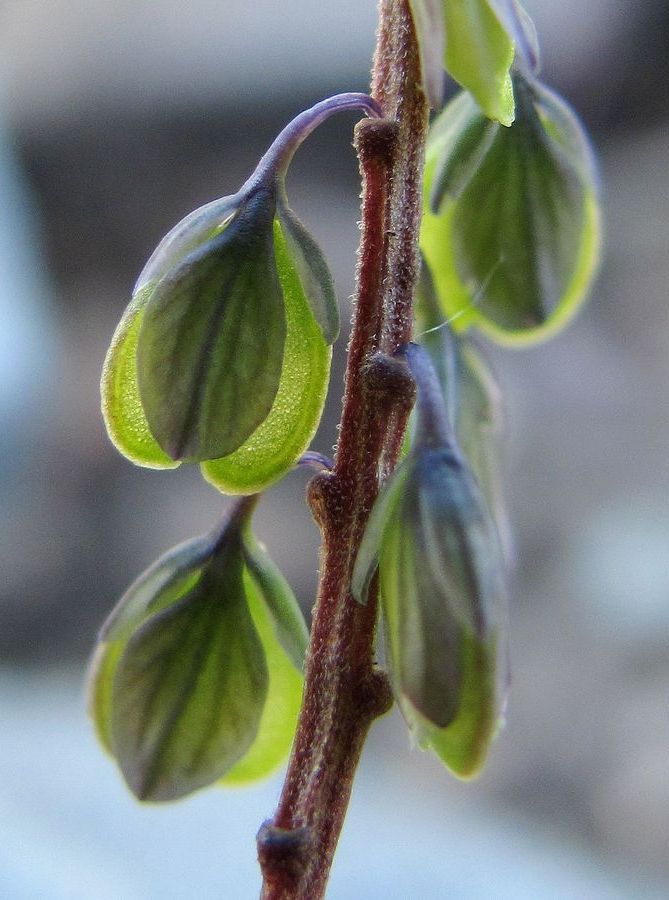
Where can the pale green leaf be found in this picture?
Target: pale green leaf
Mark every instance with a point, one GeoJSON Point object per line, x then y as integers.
{"type": "Point", "coordinates": [463, 745]}
{"type": "Point", "coordinates": [121, 405]}
{"type": "Point", "coordinates": [520, 28]}
{"type": "Point", "coordinates": [479, 53]}
{"type": "Point", "coordinates": [516, 250]}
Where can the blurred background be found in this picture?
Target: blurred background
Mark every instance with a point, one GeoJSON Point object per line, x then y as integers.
{"type": "Point", "coordinates": [117, 118]}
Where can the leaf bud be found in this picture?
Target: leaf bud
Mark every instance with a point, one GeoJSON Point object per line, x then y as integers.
{"type": "Point", "coordinates": [223, 355]}
{"type": "Point", "coordinates": [441, 587]}
{"type": "Point", "coordinates": [197, 676]}
{"type": "Point", "coordinates": [512, 232]}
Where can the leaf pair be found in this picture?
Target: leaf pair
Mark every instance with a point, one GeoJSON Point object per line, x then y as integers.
{"type": "Point", "coordinates": [197, 674]}
{"type": "Point", "coordinates": [440, 581]}
{"type": "Point", "coordinates": [511, 231]}
{"type": "Point", "coordinates": [223, 355]}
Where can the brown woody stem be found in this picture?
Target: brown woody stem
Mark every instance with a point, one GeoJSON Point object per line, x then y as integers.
{"type": "Point", "coordinates": [344, 692]}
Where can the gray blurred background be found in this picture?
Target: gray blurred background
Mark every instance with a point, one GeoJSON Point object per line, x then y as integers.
{"type": "Point", "coordinates": [117, 118]}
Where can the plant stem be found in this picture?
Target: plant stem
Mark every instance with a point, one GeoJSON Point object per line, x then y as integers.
{"type": "Point", "coordinates": [344, 691]}
{"type": "Point", "coordinates": [277, 159]}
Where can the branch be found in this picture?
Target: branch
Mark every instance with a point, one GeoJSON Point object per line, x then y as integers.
{"type": "Point", "coordinates": [344, 692]}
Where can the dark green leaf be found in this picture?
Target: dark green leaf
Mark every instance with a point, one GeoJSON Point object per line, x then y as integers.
{"type": "Point", "coordinates": [210, 347]}
{"type": "Point", "coordinates": [473, 400]}
{"type": "Point", "coordinates": [286, 432]}
{"type": "Point", "coordinates": [198, 674]}
{"type": "Point", "coordinates": [464, 744]}
{"type": "Point", "coordinates": [439, 580]}
{"type": "Point", "coordinates": [191, 232]}
{"type": "Point", "coordinates": [165, 581]}
{"type": "Point", "coordinates": [440, 584]}
{"type": "Point", "coordinates": [461, 155]}
{"type": "Point", "coordinates": [172, 576]}
{"type": "Point", "coordinates": [189, 689]}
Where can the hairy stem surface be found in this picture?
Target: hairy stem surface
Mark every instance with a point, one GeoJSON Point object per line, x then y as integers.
{"type": "Point", "coordinates": [344, 692]}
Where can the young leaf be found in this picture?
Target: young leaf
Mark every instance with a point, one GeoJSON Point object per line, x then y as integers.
{"type": "Point", "coordinates": [189, 691]}
{"type": "Point", "coordinates": [473, 400]}
{"type": "Point", "coordinates": [282, 608]}
{"type": "Point", "coordinates": [198, 673]}
{"type": "Point", "coordinates": [284, 695]}
{"type": "Point", "coordinates": [463, 745]}
{"type": "Point", "coordinates": [187, 235]}
{"type": "Point", "coordinates": [479, 53]}
{"type": "Point", "coordinates": [163, 583]}
{"type": "Point", "coordinates": [121, 404]}
{"type": "Point", "coordinates": [439, 581]}
{"type": "Point", "coordinates": [210, 347]}
{"type": "Point", "coordinates": [513, 250]}
{"type": "Point", "coordinates": [520, 27]}
{"type": "Point", "coordinates": [440, 587]}
{"type": "Point", "coordinates": [301, 249]}
{"type": "Point", "coordinates": [279, 441]}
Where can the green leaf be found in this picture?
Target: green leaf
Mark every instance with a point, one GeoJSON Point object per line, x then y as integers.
{"type": "Point", "coordinates": [421, 636]}
{"type": "Point", "coordinates": [520, 28]}
{"type": "Point", "coordinates": [479, 53]}
{"type": "Point", "coordinates": [440, 581]}
{"type": "Point", "coordinates": [168, 579]}
{"type": "Point", "coordinates": [383, 511]}
{"type": "Point", "coordinates": [197, 676]}
{"type": "Point", "coordinates": [121, 405]}
{"type": "Point", "coordinates": [299, 248]}
{"type": "Point", "coordinates": [464, 744]}
{"type": "Point", "coordinates": [284, 696]}
{"type": "Point", "coordinates": [191, 232]}
{"type": "Point", "coordinates": [479, 428]}
{"type": "Point", "coordinates": [100, 680]}
{"type": "Point", "coordinates": [211, 343]}
{"type": "Point", "coordinates": [282, 608]}
{"type": "Point", "coordinates": [189, 691]}
{"type": "Point", "coordinates": [515, 251]}
{"type": "Point", "coordinates": [284, 435]}
{"type": "Point", "coordinates": [439, 576]}
{"type": "Point", "coordinates": [459, 162]}
{"type": "Point", "coordinates": [473, 400]}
